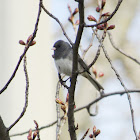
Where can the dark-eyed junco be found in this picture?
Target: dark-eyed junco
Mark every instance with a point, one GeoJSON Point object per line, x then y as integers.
{"type": "Point", "coordinates": [63, 55]}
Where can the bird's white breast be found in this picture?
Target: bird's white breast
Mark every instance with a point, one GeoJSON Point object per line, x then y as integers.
{"type": "Point", "coordinates": [64, 66]}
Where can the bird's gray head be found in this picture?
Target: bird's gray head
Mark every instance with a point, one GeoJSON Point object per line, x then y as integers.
{"type": "Point", "coordinates": [60, 47]}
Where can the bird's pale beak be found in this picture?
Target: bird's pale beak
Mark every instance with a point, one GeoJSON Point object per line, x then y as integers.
{"type": "Point", "coordinates": [53, 48]}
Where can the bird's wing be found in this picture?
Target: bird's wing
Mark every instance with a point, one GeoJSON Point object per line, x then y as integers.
{"type": "Point", "coordinates": [83, 64]}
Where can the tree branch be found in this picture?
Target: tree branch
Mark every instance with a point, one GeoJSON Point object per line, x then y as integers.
{"type": "Point", "coordinates": [113, 13]}
{"type": "Point", "coordinates": [4, 134]}
{"type": "Point", "coordinates": [21, 57]}
{"type": "Point", "coordinates": [81, 108]}
{"type": "Point", "coordinates": [119, 50]}
{"type": "Point", "coordinates": [74, 72]}
{"type": "Point", "coordinates": [57, 20]}
{"type": "Point", "coordinates": [123, 85]}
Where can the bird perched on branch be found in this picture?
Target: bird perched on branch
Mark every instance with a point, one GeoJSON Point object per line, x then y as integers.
{"type": "Point", "coordinates": [63, 57]}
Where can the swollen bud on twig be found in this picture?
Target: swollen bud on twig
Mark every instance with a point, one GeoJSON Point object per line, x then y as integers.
{"type": "Point", "coordinates": [101, 74]}
{"type": "Point", "coordinates": [63, 107]}
{"type": "Point", "coordinates": [77, 22]}
{"type": "Point", "coordinates": [29, 137]}
{"type": "Point", "coordinates": [91, 18]}
{"type": "Point", "coordinates": [98, 9]}
{"type": "Point", "coordinates": [29, 38]}
{"type": "Point", "coordinates": [103, 3]}
{"type": "Point", "coordinates": [33, 43]}
{"type": "Point", "coordinates": [111, 27]}
{"type": "Point", "coordinates": [91, 136]}
{"type": "Point", "coordinates": [69, 8]}
{"type": "Point", "coordinates": [67, 98]}
{"type": "Point", "coordinates": [75, 11]}
{"type": "Point", "coordinates": [58, 101]}
{"type": "Point", "coordinates": [101, 27]}
{"type": "Point", "coordinates": [106, 14]}
{"type": "Point", "coordinates": [97, 133]}
{"type": "Point", "coordinates": [21, 42]}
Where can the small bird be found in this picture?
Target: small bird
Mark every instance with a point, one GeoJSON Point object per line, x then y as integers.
{"type": "Point", "coordinates": [63, 56]}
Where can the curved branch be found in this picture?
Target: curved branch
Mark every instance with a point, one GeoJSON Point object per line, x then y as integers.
{"type": "Point", "coordinates": [57, 20]}
{"type": "Point", "coordinates": [114, 46]}
{"type": "Point", "coordinates": [81, 108]}
{"type": "Point", "coordinates": [21, 57]}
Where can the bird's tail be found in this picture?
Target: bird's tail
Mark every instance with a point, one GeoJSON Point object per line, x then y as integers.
{"type": "Point", "coordinates": [93, 81]}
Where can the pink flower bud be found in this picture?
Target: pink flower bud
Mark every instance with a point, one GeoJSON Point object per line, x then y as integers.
{"type": "Point", "coordinates": [33, 43]}
{"type": "Point", "coordinates": [111, 27]}
{"type": "Point", "coordinates": [91, 136]}
{"type": "Point", "coordinates": [97, 133]}
{"type": "Point", "coordinates": [98, 9]}
{"type": "Point", "coordinates": [75, 11]}
{"type": "Point", "coordinates": [77, 22]}
{"type": "Point", "coordinates": [29, 38]}
{"type": "Point", "coordinates": [91, 18]}
{"type": "Point", "coordinates": [58, 101]}
{"type": "Point", "coordinates": [21, 42]}
{"type": "Point", "coordinates": [101, 74]}
{"type": "Point", "coordinates": [103, 3]}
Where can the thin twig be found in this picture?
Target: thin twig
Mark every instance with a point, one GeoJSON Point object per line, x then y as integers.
{"type": "Point", "coordinates": [26, 94]}
{"type": "Point", "coordinates": [121, 81]}
{"type": "Point", "coordinates": [81, 108]}
{"type": "Point", "coordinates": [58, 113]}
{"type": "Point", "coordinates": [113, 13]}
{"type": "Point", "coordinates": [21, 57]}
{"type": "Point", "coordinates": [57, 20]}
{"type": "Point", "coordinates": [119, 50]}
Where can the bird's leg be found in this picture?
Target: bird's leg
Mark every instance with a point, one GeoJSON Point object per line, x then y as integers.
{"type": "Point", "coordinates": [62, 82]}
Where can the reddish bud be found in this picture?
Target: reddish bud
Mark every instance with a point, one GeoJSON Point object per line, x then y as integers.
{"type": "Point", "coordinates": [63, 107]}
{"type": "Point", "coordinates": [29, 38]}
{"type": "Point", "coordinates": [101, 27]}
{"type": "Point", "coordinates": [77, 22]}
{"type": "Point", "coordinates": [97, 133]}
{"type": "Point", "coordinates": [94, 129]}
{"type": "Point", "coordinates": [95, 72]}
{"type": "Point", "coordinates": [91, 136]}
{"type": "Point", "coordinates": [103, 3]}
{"type": "Point", "coordinates": [101, 74]}
{"type": "Point", "coordinates": [30, 135]}
{"type": "Point", "coordinates": [98, 9]}
{"type": "Point", "coordinates": [71, 19]}
{"type": "Point", "coordinates": [106, 14]}
{"type": "Point", "coordinates": [58, 101]}
{"type": "Point", "coordinates": [69, 8]}
{"type": "Point", "coordinates": [111, 27]}
{"type": "Point", "coordinates": [33, 43]}
{"type": "Point", "coordinates": [91, 18]}
{"type": "Point", "coordinates": [75, 11]}
{"type": "Point", "coordinates": [21, 42]}
{"type": "Point", "coordinates": [67, 98]}
{"type": "Point", "coordinates": [34, 135]}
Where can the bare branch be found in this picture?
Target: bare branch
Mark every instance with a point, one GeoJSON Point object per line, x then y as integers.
{"type": "Point", "coordinates": [121, 81]}
{"type": "Point", "coordinates": [57, 20]}
{"type": "Point", "coordinates": [21, 57]}
{"type": "Point", "coordinates": [26, 94]}
{"type": "Point", "coordinates": [113, 13]}
{"type": "Point", "coordinates": [83, 107]}
{"type": "Point", "coordinates": [119, 50]}
{"type": "Point", "coordinates": [58, 113]}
